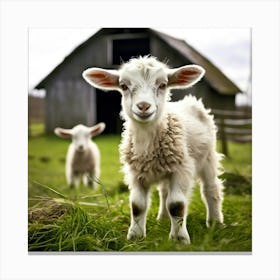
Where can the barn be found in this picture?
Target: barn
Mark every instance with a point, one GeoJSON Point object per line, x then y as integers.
{"type": "Point", "coordinates": [70, 100]}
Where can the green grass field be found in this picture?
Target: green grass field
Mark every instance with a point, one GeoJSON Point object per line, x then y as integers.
{"type": "Point", "coordinates": [64, 219]}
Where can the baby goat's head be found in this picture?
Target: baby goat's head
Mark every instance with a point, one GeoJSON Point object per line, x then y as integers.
{"type": "Point", "coordinates": [80, 135]}
{"type": "Point", "coordinates": [144, 83]}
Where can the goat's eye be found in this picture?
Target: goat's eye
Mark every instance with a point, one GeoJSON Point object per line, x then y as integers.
{"type": "Point", "coordinates": [162, 86]}
{"type": "Point", "coordinates": [124, 87]}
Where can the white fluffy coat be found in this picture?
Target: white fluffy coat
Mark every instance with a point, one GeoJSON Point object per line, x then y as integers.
{"type": "Point", "coordinates": [83, 155]}
{"type": "Point", "coordinates": [167, 143]}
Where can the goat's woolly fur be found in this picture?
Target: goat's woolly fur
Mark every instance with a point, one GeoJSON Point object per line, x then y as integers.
{"type": "Point", "coordinates": [170, 145]}
{"type": "Point", "coordinates": [180, 140]}
{"type": "Point", "coordinates": [83, 155]}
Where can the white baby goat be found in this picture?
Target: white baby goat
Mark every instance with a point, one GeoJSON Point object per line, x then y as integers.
{"type": "Point", "coordinates": [163, 142]}
{"type": "Point", "coordinates": [83, 156]}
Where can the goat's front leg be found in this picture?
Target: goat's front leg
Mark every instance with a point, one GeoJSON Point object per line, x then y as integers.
{"type": "Point", "coordinates": [72, 178]}
{"type": "Point", "coordinates": [138, 211]}
{"type": "Point", "coordinates": [91, 179]}
{"type": "Point", "coordinates": [96, 176]}
{"type": "Point", "coordinates": [177, 205]}
{"type": "Point", "coordinates": [212, 191]}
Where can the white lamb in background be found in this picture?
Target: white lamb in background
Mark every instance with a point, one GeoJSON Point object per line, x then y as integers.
{"type": "Point", "coordinates": [163, 142]}
{"type": "Point", "coordinates": [83, 156]}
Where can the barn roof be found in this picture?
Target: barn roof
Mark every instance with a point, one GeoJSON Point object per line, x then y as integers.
{"type": "Point", "coordinates": [215, 77]}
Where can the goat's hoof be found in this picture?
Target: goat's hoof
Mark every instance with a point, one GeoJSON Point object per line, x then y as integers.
{"type": "Point", "coordinates": [92, 186]}
{"type": "Point", "coordinates": [215, 223]}
{"type": "Point", "coordinates": [134, 234]}
{"type": "Point", "coordinates": [184, 239]}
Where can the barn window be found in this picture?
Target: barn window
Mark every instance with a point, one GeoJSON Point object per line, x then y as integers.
{"type": "Point", "coordinates": [124, 49]}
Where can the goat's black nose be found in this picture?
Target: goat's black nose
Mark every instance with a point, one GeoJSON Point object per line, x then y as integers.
{"type": "Point", "coordinates": [143, 106]}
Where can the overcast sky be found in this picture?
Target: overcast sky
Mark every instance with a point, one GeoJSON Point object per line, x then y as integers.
{"type": "Point", "coordinates": [229, 49]}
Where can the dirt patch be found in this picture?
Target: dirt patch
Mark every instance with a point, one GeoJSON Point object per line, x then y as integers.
{"type": "Point", "coordinates": [46, 211]}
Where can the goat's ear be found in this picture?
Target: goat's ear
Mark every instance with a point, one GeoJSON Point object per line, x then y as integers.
{"type": "Point", "coordinates": [97, 129]}
{"type": "Point", "coordinates": [185, 76]}
{"type": "Point", "coordinates": [102, 79]}
{"type": "Point", "coordinates": [64, 133]}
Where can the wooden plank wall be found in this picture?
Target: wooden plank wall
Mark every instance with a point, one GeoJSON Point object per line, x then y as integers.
{"type": "Point", "coordinates": [233, 126]}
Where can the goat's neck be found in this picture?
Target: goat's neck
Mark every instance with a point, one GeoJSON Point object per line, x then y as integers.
{"type": "Point", "coordinates": [143, 136]}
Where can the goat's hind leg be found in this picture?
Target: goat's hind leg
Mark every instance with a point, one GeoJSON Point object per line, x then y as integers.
{"type": "Point", "coordinates": [163, 192]}
{"type": "Point", "coordinates": [212, 189]}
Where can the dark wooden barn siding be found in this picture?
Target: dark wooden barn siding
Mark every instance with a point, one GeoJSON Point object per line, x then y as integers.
{"type": "Point", "coordinates": [212, 99]}
{"type": "Point", "coordinates": [69, 102]}
{"type": "Point", "coordinates": [69, 99]}
{"type": "Point", "coordinates": [36, 109]}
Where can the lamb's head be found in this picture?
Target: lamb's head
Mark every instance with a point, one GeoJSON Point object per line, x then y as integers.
{"type": "Point", "coordinates": [144, 83]}
{"type": "Point", "coordinates": [80, 135]}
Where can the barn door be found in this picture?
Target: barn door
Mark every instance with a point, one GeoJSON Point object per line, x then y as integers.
{"type": "Point", "coordinates": [124, 49]}
{"type": "Point", "coordinates": [108, 106]}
